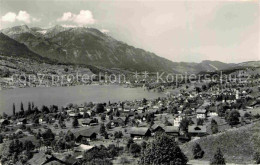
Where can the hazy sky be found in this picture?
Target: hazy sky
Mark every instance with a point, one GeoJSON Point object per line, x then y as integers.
{"type": "Point", "coordinates": [189, 31]}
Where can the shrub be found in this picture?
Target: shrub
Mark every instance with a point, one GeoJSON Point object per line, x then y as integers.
{"type": "Point", "coordinates": [233, 117]}
{"type": "Point", "coordinates": [118, 134]}
{"type": "Point", "coordinates": [214, 126]}
{"type": "Point", "coordinates": [218, 158]}
{"type": "Point", "coordinates": [197, 151]}
{"type": "Point", "coordinates": [129, 142]}
{"type": "Point", "coordinates": [135, 149]}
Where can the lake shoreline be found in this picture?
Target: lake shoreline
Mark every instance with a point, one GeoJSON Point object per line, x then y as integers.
{"type": "Point", "coordinates": [73, 94]}
{"type": "Point", "coordinates": [14, 87]}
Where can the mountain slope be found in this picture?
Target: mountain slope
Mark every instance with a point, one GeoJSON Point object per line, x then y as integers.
{"type": "Point", "coordinates": [238, 145]}
{"type": "Point", "coordinates": [10, 47]}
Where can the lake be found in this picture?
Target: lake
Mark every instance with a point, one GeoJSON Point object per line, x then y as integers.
{"type": "Point", "coordinates": [61, 96]}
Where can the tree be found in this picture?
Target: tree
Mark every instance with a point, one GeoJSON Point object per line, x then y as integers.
{"type": "Point", "coordinates": [129, 142]}
{"type": "Point", "coordinates": [102, 130]}
{"type": "Point", "coordinates": [48, 136]}
{"type": "Point", "coordinates": [32, 105]}
{"type": "Point", "coordinates": [113, 150]}
{"type": "Point", "coordinates": [38, 135]}
{"type": "Point", "coordinates": [86, 115]}
{"type": "Point", "coordinates": [1, 138]}
{"type": "Point", "coordinates": [45, 109]}
{"type": "Point", "coordinates": [69, 136]}
{"type": "Point", "coordinates": [66, 69]}
{"type": "Point", "coordinates": [70, 105]}
{"type": "Point", "coordinates": [149, 118]}
{"type": "Point", "coordinates": [75, 123]}
{"type": "Point", "coordinates": [15, 147]}
{"type": "Point", "coordinates": [135, 149]}
{"type": "Point", "coordinates": [143, 145]}
{"type": "Point", "coordinates": [103, 117]}
{"type": "Point", "coordinates": [60, 144]}
{"type": "Point", "coordinates": [257, 157]}
{"type": "Point", "coordinates": [25, 156]}
{"type": "Point", "coordinates": [151, 123]}
{"type": "Point", "coordinates": [218, 158]}
{"type": "Point", "coordinates": [197, 151]}
{"type": "Point", "coordinates": [204, 87]}
{"type": "Point", "coordinates": [117, 113]}
{"type": "Point", "coordinates": [198, 89]}
{"type": "Point", "coordinates": [163, 150]}
{"type": "Point", "coordinates": [111, 117]}
{"type": "Point", "coordinates": [233, 117]}
{"type": "Point", "coordinates": [108, 126]}
{"type": "Point", "coordinates": [118, 134]}
{"type": "Point", "coordinates": [144, 101]}
{"type": "Point", "coordinates": [106, 136]}
{"type": "Point", "coordinates": [214, 126]}
{"type": "Point", "coordinates": [61, 120]}
{"type": "Point", "coordinates": [29, 107]}
{"type": "Point", "coordinates": [184, 124]}
{"type": "Point", "coordinates": [36, 120]}
{"type": "Point", "coordinates": [13, 109]}
{"type": "Point", "coordinates": [22, 109]}
{"type": "Point", "coordinates": [100, 108]}
{"type": "Point", "coordinates": [28, 145]}
{"type": "Point", "coordinates": [221, 112]}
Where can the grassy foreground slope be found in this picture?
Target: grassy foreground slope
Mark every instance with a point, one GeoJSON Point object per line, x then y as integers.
{"type": "Point", "coordinates": [238, 145]}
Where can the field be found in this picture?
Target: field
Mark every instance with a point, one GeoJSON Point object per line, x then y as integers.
{"type": "Point", "coordinates": [238, 145]}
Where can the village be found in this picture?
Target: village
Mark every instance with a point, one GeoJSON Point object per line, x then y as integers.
{"type": "Point", "coordinates": [118, 132]}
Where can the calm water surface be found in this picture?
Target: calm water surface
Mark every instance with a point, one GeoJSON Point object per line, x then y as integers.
{"type": "Point", "coordinates": [75, 94]}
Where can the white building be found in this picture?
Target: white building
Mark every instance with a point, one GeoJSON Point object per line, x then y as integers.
{"type": "Point", "coordinates": [201, 113]}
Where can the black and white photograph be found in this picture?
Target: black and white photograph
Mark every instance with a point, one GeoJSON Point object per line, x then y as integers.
{"type": "Point", "coordinates": [129, 82]}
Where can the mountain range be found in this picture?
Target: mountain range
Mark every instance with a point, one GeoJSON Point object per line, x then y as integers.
{"type": "Point", "coordinates": [89, 46]}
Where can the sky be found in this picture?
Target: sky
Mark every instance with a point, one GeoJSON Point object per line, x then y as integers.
{"type": "Point", "coordinates": [188, 31]}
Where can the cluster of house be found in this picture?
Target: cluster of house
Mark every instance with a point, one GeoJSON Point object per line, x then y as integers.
{"type": "Point", "coordinates": [185, 104]}
{"type": "Point", "coordinates": [140, 112]}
